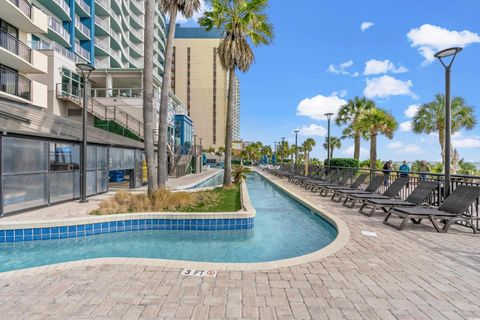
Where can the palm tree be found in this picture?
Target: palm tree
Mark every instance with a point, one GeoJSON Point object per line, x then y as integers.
{"type": "Point", "coordinates": [349, 114]}
{"type": "Point", "coordinates": [372, 123]}
{"type": "Point", "coordinates": [335, 143]}
{"type": "Point", "coordinates": [242, 21]}
{"type": "Point", "coordinates": [431, 118]}
{"type": "Point", "coordinates": [187, 8]}
{"type": "Point", "coordinates": [148, 115]}
{"type": "Point", "coordinates": [307, 148]}
{"type": "Point", "coordinates": [266, 151]}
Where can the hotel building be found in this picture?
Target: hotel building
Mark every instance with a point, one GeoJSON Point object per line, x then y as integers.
{"type": "Point", "coordinates": [199, 80]}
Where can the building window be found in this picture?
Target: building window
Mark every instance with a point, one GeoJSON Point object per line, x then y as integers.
{"type": "Point", "coordinates": [13, 83]}
{"type": "Point", "coordinates": [72, 83]}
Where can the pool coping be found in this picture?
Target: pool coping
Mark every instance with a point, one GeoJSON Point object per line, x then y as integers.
{"type": "Point", "coordinates": [186, 187]}
{"type": "Point", "coordinates": [343, 236]}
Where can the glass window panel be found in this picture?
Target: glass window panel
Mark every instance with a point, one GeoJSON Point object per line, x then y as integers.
{"type": "Point", "coordinates": [64, 157]}
{"type": "Point", "coordinates": [102, 158]}
{"type": "Point", "coordinates": [102, 181]}
{"type": "Point", "coordinates": [25, 191]}
{"type": "Point", "coordinates": [91, 183]}
{"type": "Point", "coordinates": [61, 186]}
{"type": "Point", "coordinates": [91, 157]}
{"type": "Point", "coordinates": [129, 158]}
{"type": "Point", "coordinates": [116, 158]}
{"type": "Point", "coordinates": [24, 155]}
{"type": "Point", "coordinates": [77, 184]}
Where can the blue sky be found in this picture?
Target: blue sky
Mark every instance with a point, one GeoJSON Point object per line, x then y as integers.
{"type": "Point", "coordinates": [325, 57]}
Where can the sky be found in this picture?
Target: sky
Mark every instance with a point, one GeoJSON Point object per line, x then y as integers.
{"type": "Point", "coordinates": [326, 52]}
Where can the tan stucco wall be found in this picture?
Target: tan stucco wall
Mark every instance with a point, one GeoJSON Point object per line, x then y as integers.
{"type": "Point", "coordinates": [201, 84]}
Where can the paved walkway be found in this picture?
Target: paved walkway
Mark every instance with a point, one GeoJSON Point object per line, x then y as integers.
{"type": "Point", "coordinates": [414, 274]}
{"type": "Point", "coordinates": [74, 209]}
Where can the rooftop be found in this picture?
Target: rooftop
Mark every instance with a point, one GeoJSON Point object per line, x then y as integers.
{"type": "Point", "coordinates": [196, 33]}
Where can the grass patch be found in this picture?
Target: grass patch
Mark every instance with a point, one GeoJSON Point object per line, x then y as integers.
{"type": "Point", "coordinates": [217, 200]}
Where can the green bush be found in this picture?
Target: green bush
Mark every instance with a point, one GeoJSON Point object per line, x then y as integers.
{"type": "Point", "coordinates": [343, 162]}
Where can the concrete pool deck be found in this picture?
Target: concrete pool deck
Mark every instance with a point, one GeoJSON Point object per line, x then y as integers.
{"type": "Point", "coordinates": [414, 274]}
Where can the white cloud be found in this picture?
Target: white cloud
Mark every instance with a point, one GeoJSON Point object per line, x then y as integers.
{"type": "Point", "coordinates": [181, 19]}
{"type": "Point", "coordinates": [411, 111]}
{"type": "Point", "coordinates": [373, 66]}
{"type": "Point", "coordinates": [386, 86]}
{"type": "Point", "coordinates": [429, 39]}
{"type": "Point", "coordinates": [342, 93]}
{"type": "Point", "coordinates": [341, 68]}
{"type": "Point", "coordinates": [348, 151]}
{"type": "Point", "coordinates": [406, 126]}
{"type": "Point", "coordinates": [317, 106]}
{"type": "Point", "coordinates": [355, 74]}
{"type": "Point", "coordinates": [466, 143]}
{"type": "Point", "coordinates": [313, 130]}
{"type": "Point", "coordinates": [400, 148]}
{"type": "Point", "coordinates": [366, 25]}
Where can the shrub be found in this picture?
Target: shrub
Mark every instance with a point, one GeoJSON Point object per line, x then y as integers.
{"type": "Point", "coordinates": [343, 162]}
{"type": "Point", "coordinates": [240, 172]}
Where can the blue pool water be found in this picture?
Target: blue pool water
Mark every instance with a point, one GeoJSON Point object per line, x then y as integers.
{"type": "Point", "coordinates": [214, 181]}
{"type": "Point", "coordinates": [283, 229]}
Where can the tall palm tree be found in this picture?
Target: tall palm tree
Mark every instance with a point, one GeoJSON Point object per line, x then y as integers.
{"type": "Point", "coordinates": [266, 151]}
{"type": "Point", "coordinates": [335, 143]}
{"type": "Point", "coordinates": [171, 7]}
{"type": "Point", "coordinates": [243, 21]}
{"type": "Point", "coordinates": [372, 123]}
{"type": "Point", "coordinates": [349, 114]}
{"type": "Point", "coordinates": [148, 114]}
{"type": "Point", "coordinates": [307, 146]}
{"type": "Point", "coordinates": [431, 118]}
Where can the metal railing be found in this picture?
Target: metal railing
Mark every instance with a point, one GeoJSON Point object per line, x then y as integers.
{"type": "Point", "coordinates": [80, 26]}
{"type": "Point", "coordinates": [84, 5]}
{"type": "Point", "coordinates": [116, 92]}
{"type": "Point", "coordinates": [435, 199]}
{"type": "Point", "coordinates": [15, 46]}
{"type": "Point", "coordinates": [13, 83]}
{"type": "Point", "coordinates": [54, 46]}
{"type": "Point", "coordinates": [106, 113]}
{"type": "Point", "coordinates": [64, 5]}
{"type": "Point", "coordinates": [24, 6]}
{"type": "Point", "coordinates": [58, 28]}
{"type": "Point", "coordinates": [83, 53]}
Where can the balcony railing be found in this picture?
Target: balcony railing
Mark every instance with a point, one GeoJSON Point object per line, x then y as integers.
{"type": "Point", "coordinates": [13, 83]}
{"type": "Point", "coordinates": [84, 5]}
{"type": "Point", "coordinates": [64, 5]}
{"type": "Point", "coordinates": [24, 6]}
{"type": "Point", "coordinates": [12, 44]}
{"type": "Point", "coordinates": [102, 43]}
{"type": "Point", "coordinates": [83, 53]}
{"type": "Point", "coordinates": [58, 28]}
{"type": "Point", "coordinates": [116, 93]}
{"type": "Point", "coordinates": [53, 46]}
{"type": "Point", "coordinates": [80, 26]}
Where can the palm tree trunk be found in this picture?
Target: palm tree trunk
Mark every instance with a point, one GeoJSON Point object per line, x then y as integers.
{"type": "Point", "coordinates": [163, 121]}
{"type": "Point", "coordinates": [441, 139]}
{"type": "Point", "coordinates": [148, 114]}
{"type": "Point", "coordinates": [227, 176]}
{"type": "Point", "coordinates": [373, 151]}
{"type": "Point", "coordinates": [306, 164]}
{"type": "Point", "coordinates": [356, 151]}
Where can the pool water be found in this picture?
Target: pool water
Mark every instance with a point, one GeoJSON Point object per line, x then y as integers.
{"type": "Point", "coordinates": [283, 229]}
{"type": "Point", "coordinates": [213, 181]}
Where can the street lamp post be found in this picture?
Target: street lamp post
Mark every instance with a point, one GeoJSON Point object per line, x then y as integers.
{"type": "Point", "coordinates": [442, 56]}
{"type": "Point", "coordinates": [283, 149]}
{"type": "Point", "coordinates": [85, 69]}
{"type": "Point", "coordinates": [296, 148]}
{"type": "Point", "coordinates": [329, 116]}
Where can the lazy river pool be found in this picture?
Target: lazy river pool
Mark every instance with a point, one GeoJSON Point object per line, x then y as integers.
{"type": "Point", "coordinates": [283, 228]}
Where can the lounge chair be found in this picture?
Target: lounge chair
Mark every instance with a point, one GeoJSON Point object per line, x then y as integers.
{"type": "Point", "coordinates": [418, 196]}
{"type": "Point", "coordinates": [353, 186]}
{"type": "Point", "coordinates": [343, 182]}
{"type": "Point", "coordinates": [308, 183]}
{"type": "Point", "coordinates": [391, 192]}
{"type": "Point", "coordinates": [335, 178]}
{"type": "Point", "coordinates": [452, 210]}
{"type": "Point", "coordinates": [296, 179]}
{"type": "Point", "coordinates": [375, 183]}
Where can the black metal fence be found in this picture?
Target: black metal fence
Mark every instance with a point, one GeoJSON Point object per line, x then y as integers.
{"type": "Point", "coordinates": [435, 199]}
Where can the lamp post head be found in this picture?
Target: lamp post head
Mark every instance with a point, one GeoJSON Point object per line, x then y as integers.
{"type": "Point", "coordinates": [85, 69]}
{"type": "Point", "coordinates": [450, 52]}
{"type": "Point", "coordinates": [296, 131]}
{"type": "Point", "coordinates": [329, 115]}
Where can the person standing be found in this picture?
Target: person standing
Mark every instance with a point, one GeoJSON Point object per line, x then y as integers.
{"type": "Point", "coordinates": [404, 170]}
{"type": "Point", "coordinates": [387, 169]}
{"type": "Point", "coordinates": [423, 169]}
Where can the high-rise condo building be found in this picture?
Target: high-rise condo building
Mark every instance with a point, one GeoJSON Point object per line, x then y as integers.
{"type": "Point", "coordinates": [199, 80]}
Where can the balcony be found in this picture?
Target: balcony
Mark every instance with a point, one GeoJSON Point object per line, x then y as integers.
{"type": "Point", "coordinates": [24, 16]}
{"type": "Point", "coordinates": [83, 53]}
{"type": "Point", "coordinates": [84, 31]}
{"type": "Point", "coordinates": [102, 46]}
{"type": "Point", "coordinates": [17, 55]}
{"type": "Point", "coordinates": [16, 87]}
{"type": "Point", "coordinates": [59, 8]}
{"type": "Point", "coordinates": [44, 45]}
{"type": "Point", "coordinates": [58, 33]}
{"type": "Point", "coordinates": [82, 8]}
